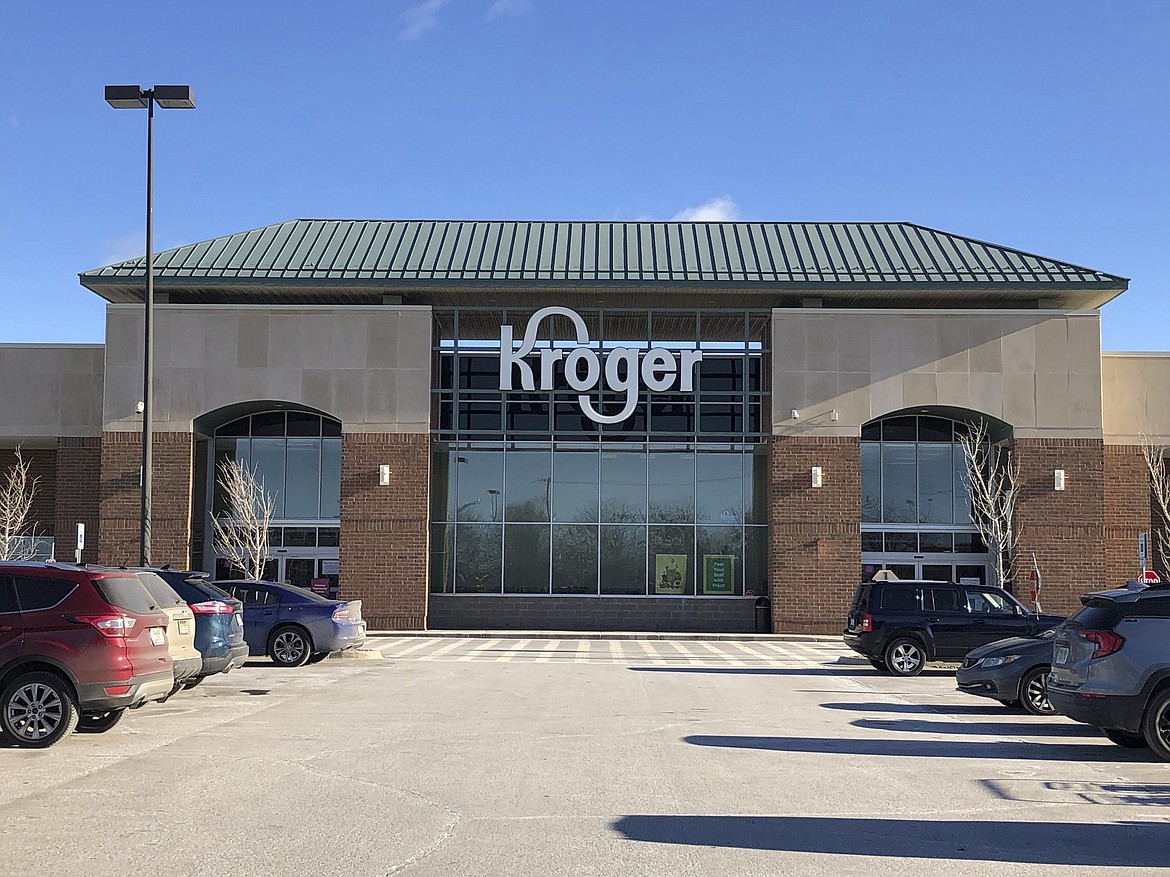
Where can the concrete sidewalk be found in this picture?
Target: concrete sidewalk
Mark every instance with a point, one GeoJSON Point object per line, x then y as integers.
{"type": "Point", "coordinates": [595, 634]}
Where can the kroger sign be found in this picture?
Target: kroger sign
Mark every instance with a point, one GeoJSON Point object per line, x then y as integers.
{"type": "Point", "coordinates": [624, 369]}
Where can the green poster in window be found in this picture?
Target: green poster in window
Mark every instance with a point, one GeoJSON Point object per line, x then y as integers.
{"type": "Point", "coordinates": [670, 573]}
{"type": "Point", "coordinates": [718, 574]}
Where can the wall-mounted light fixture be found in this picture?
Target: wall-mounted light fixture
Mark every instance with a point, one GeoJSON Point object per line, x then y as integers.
{"type": "Point", "coordinates": [833, 415]}
{"type": "Point", "coordinates": [817, 479]}
{"type": "Point", "coordinates": [384, 474]}
{"type": "Point", "coordinates": [1058, 480]}
{"type": "Point", "coordinates": [795, 415]}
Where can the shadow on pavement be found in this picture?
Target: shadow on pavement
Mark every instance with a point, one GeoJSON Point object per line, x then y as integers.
{"type": "Point", "coordinates": [1055, 728]}
{"type": "Point", "coordinates": [919, 709]}
{"type": "Point", "coordinates": [1008, 749]}
{"type": "Point", "coordinates": [1126, 844]}
{"type": "Point", "coordinates": [1074, 792]}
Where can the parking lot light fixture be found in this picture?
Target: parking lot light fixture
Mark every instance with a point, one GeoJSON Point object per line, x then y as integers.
{"type": "Point", "coordinates": [126, 97]}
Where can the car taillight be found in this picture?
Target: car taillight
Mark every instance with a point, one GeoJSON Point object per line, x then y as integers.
{"type": "Point", "coordinates": [351, 611]}
{"type": "Point", "coordinates": [211, 607]}
{"type": "Point", "coordinates": [108, 625]}
{"type": "Point", "coordinates": [866, 623]}
{"type": "Point", "coordinates": [1107, 641]}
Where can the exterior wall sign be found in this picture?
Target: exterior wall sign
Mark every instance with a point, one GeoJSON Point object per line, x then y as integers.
{"type": "Point", "coordinates": [625, 369]}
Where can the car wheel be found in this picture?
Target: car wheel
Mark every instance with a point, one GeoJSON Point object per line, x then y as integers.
{"type": "Point", "coordinates": [1126, 739]}
{"type": "Point", "coordinates": [317, 657]}
{"type": "Point", "coordinates": [1034, 692]}
{"type": "Point", "coordinates": [1157, 724]}
{"type": "Point", "coordinates": [905, 657]}
{"type": "Point", "coordinates": [99, 723]}
{"type": "Point", "coordinates": [38, 710]}
{"type": "Point", "coordinates": [289, 647]}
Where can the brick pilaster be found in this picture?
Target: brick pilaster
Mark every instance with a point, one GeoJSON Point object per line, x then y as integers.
{"type": "Point", "coordinates": [1065, 528]}
{"type": "Point", "coordinates": [120, 494]}
{"type": "Point", "coordinates": [814, 534]}
{"type": "Point", "coordinates": [384, 530]}
{"type": "Point", "coordinates": [78, 477]}
{"type": "Point", "coordinates": [1128, 511]}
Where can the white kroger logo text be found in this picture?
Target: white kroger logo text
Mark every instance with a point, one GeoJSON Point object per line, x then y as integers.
{"type": "Point", "coordinates": [658, 369]}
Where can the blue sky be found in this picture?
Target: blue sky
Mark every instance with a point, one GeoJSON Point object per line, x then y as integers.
{"type": "Point", "coordinates": [1038, 125]}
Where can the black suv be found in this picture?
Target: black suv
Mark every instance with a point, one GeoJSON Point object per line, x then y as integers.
{"type": "Point", "coordinates": [901, 625]}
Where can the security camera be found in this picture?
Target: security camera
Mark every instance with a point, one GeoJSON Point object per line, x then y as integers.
{"type": "Point", "coordinates": [140, 407]}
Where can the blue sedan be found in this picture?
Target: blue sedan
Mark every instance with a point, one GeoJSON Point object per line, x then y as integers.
{"type": "Point", "coordinates": [294, 626]}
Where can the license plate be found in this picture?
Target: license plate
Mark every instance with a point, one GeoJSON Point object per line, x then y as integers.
{"type": "Point", "coordinates": [1061, 653]}
{"type": "Point", "coordinates": [184, 628]}
{"type": "Point", "coordinates": [157, 637]}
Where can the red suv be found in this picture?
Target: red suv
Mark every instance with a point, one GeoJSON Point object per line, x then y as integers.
{"type": "Point", "coordinates": [77, 648]}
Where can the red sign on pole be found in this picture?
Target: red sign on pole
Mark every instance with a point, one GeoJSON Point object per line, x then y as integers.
{"type": "Point", "coordinates": [1150, 577]}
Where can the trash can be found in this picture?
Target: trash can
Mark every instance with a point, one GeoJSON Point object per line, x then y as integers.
{"type": "Point", "coordinates": [763, 615]}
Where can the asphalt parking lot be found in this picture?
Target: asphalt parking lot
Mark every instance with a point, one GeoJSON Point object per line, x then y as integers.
{"type": "Point", "coordinates": [461, 756]}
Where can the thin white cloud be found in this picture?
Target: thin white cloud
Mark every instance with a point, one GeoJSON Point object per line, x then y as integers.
{"type": "Point", "coordinates": [13, 122]}
{"type": "Point", "coordinates": [131, 245]}
{"type": "Point", "coordinates": [420, 19]}
{"type": "Point", "coordinates": [721, 209]}
{"type": "Point", "coordinates": [508, 9]}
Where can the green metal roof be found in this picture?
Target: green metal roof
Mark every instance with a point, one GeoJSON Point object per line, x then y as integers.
{"type": "Point", "coordinates": [412, 254]}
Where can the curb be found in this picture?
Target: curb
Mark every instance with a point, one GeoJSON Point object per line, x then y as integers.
{"type": "Point", "coordinates": [356, 655]}
{"type": "Point", "coordinates": [601, 635]}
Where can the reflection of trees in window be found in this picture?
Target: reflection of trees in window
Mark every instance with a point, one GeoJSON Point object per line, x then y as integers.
{"type": "Point", "coordinates": [477, 558]}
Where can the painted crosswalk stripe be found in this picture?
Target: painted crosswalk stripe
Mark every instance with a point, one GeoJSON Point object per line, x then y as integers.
{"type": "Point", "coordinates": [519, 646]}
{"type": "Point", "coordinates": [655, 657]}
{"type": "Point", "coordinates": [546, 653]}
{"type": "Point", "coordinates": [722, 656]}
{"type": "Point", "coordinates": [414, 646]}
{"type": "Point", "coordinates": [477, 651]}
{"type": "Point", "coordinates": [442, 650]}
{"type": "Point", "coordinates": [749, 651]}
{"type": "Point", "coordinates": [690, 657]}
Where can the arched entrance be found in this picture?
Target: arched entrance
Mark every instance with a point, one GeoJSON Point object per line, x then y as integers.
{"type": "Point", "coordinates": [915, 500]}
{"type": "Point", "coordinates": [296, 451]}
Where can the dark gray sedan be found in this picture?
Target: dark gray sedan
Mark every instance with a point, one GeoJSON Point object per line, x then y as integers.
{"type": "Point", "coordinates": [1013, 671]}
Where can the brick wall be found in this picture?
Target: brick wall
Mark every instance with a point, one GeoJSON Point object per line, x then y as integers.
{"type": "Point", "coordinates": [1128, 511]}
{"type": "Point", "coordinates": [78, 478]}
{"type": "Point", "coordinates": [814, 534]}
{"type": "Point", "coordinates": [384, 533]}
{"type": "Point", "coordinates": [1065, 529]}
{"type": "Point", "coordinates": [120, 494]}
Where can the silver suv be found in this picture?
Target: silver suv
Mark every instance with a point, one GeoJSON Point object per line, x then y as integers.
{"type": "Point", "coordinates": [1111, 666]}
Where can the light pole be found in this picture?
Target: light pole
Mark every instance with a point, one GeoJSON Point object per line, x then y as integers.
{"type": "Point", "coordinates": [123, 97]}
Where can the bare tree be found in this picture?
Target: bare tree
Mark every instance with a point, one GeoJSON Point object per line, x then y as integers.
{"type": "Point", "coordinates": [1155, 457]}
{"type": "Point", "coordinates": [18, 535]}
{"type": "Point", "coordinates": [241, 534]}
{"type": "Point", "coordinates": [993, 477]}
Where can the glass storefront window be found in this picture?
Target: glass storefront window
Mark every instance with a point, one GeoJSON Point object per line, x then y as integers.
{"type": "Point", "coordinates": [671, 562]}
{"type": "Point", "coordinates": [527, 485]}
{"type": "Point", "coordinates": [575, 486]}
{"type": "Point", "coordinates": [268, 463]}
{"type": "Point", "coordinates": [899, 489]}
{"type": "Point", "coordinates": [574, 554]}
{"type": "Point", "coordinates": [479, 483]}
{"type": "Point", "coordinates": [526, 558]}
{"type": "Point", "coordinates": [623, 560]}
{"type": "Point", "coordinates": [302, 497]}
{"type": "Point", "coordinates": [478, 566]}
{"type": "Point", "coordinates": [617, 509]}
{"type": "Point", "coordinates": [623, 486]}
{"type": "Point", "coordinates": [719, 488]}
{"type": "Point", "coordinates": [672, 487]}
{"type": "Point", "coordinates": [935, 493]}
